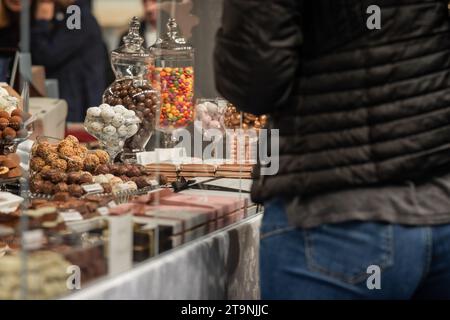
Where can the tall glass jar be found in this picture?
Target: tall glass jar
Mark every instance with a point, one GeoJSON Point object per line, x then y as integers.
{"type": "Point", "coordinates": [173, 75]}
{"type": "Point", "coordinates": [132, 88]}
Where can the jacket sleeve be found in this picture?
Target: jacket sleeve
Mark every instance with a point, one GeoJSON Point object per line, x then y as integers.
{"type": "Point", "coordinates": [256, 56]}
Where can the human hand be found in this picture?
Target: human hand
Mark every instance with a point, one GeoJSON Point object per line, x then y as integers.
{"type": "Point", "coordinates": [45, 10]}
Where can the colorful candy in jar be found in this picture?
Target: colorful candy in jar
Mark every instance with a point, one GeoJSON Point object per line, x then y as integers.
{"type": "Point", "coordinates": [177, 92]}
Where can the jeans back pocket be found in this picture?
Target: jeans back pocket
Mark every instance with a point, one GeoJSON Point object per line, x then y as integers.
{"type": "Point", "coordinates": [344, 251]}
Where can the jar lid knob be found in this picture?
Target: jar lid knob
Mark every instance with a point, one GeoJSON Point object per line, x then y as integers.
{"type": "Point", "coordinates": [133, 40]}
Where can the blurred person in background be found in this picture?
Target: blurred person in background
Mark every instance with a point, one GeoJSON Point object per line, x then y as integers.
{"type": "Point", "coordinates": [9, 35]}
{"type": "Point", "coordinates": [77, 58]}
{"type": "Point", "coordinates": [360, 206]}
{"type": "Point", "coordinates": [149, 22]}
{"type": "Point", "coordinates": [9, 23]}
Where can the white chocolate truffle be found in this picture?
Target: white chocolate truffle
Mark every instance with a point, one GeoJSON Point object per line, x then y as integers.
{"type": "Point", "coordinates": [133, 129]}
{"type": "Point", "coordinates": [122, 131]}
{"type": "Point", "coordinates": [108, 115]}
{"type": "Point", "coordinates": [212, 108]}
{"type": "Point", "coordinates": [109, 176]}
{"type": "Point", "coordinates": [3, 92]}
{"type": "Point", "coordinates": [115, 180]}
{"type": "Point", "coordinates": [131, 185]}
{"type": "Point", "coordinates": [109, 130]}
{"type": "Point", "coordinates": [104, 106]}
{"type": "Point", "coordinates": [129, 114]}
{"type": "Point", "coordinates": [119, 109]}
{"type": "Point", "coordinates": [95, 126]}
{"type": "Point", "coordinates": [94, 112]}
{"type": "Point", "coordinates": [118, 120]}
{"type": "Point", "coordinates": [101, 179]}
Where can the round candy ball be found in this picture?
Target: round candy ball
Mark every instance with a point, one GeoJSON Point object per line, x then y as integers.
{"type": "Point", "coordinates": [133, 129]}
{"type": "Point", "coordinates": [94, 112]}
{"type": "Point", "coordinates": [118, 120]}
{"type": "Point", "coordinates": [109, 130]}
{"type": "Point", "coordinates": [108, 114]}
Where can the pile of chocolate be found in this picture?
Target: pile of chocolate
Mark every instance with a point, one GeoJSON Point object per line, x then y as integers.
{"type": "Point", "coordinates": [87, 207]}
{"type": "Point", "coordinates": [139, 174]}
{"type": "Point", "coordinates": [54, 181]}
{"type": "Point", "coordinates": [12, 125]}
{"type": "Point", "coordinates": [63, 167]}
{"type": "Point", "coordinates": [232, 119]}
{"type": "Point", "coordinates": [66, 156]}
{"type": "Point", "coordinates": [142, 99]}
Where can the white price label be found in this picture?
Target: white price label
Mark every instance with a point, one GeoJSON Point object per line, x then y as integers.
{"type": "Point", "coordinates": [93, 188]}
{"type": "Point", "coordinates": [72, 215]}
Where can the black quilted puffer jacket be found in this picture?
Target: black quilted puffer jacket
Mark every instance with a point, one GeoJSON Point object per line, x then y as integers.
{"type": "Point", "coordinates": [355, 107]}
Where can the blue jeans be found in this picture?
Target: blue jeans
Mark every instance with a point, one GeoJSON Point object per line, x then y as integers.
{"type": "Point", "coordinates": [332, 261]}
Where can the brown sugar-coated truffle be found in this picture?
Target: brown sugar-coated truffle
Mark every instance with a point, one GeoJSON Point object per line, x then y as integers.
{"type": "Point", "coordinates": [75, 163]}
{"type": "Point", "coordinates": [51, 157]}
{"type": "Point", "coordinates": [43, 149]}
{"type": "Point", "coordinates": [80, 150]}
{"type": "Point", "coordinates": [91, 162]}
{"type": "Point", "coordinates": [67, 151]}
{"type": "Point", "coordinates": [103, 156]}
{"type": "Point", "coordinates": [72, 139]}
{"type": "Point", "coordinates": [37, 163]}
{"type": "Point", "coordinates": [60, 164]}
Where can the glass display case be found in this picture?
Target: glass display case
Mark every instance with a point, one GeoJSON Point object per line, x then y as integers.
{"type": "Point", "coordinates": [81, 214]}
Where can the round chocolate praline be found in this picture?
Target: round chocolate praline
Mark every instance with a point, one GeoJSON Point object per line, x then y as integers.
{"type": "Point", "coordinates": [58, 176]}
{"type": "Point", "coordinates": [75, 190]}
{"type": "Point", "coordinates": [47, 188]}
{"type": "Point", "coordinates": [73, 177]}
{"type": "Point", "coordinates": [102, 169]}
{"type": "Point", "coordinates": [86, 178]}
{"type": "Point", "coordinates": [123, 170]}
{"type": "Point", "coordinates": [61, 187]}
{"type": "Point", "coordinates": [141, 182]}
{"type": "Point", "coordinates": [125, 178]}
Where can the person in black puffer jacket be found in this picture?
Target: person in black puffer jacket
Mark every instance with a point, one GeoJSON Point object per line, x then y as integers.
{"type": "Point", "coordinates": [364, 151]}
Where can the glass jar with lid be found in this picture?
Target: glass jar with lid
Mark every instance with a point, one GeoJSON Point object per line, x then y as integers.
{"type": "Point", "coordinates": [173, 75]}
{"type": "Point", "coordinates": [132, 88]}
